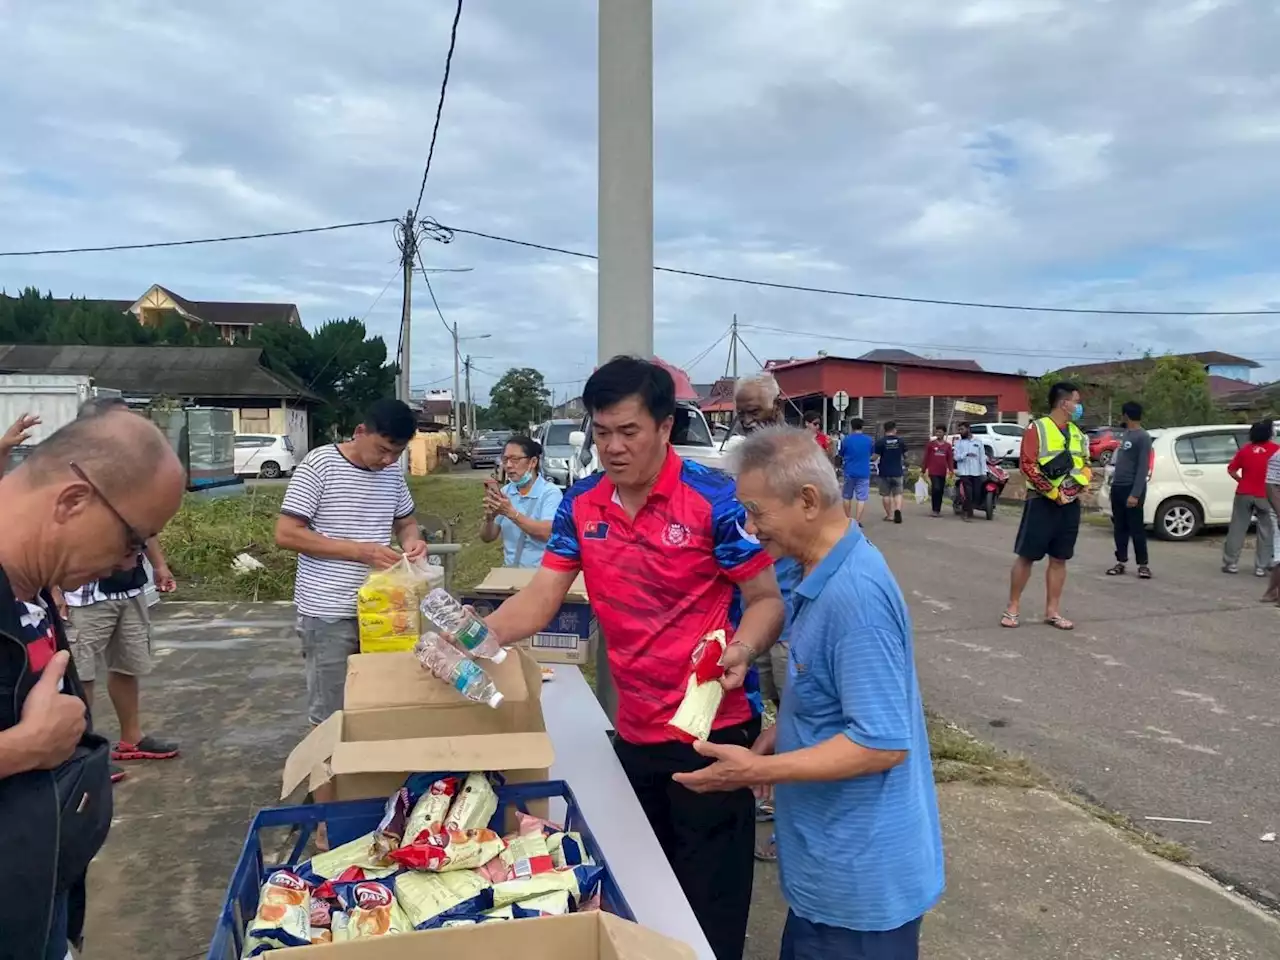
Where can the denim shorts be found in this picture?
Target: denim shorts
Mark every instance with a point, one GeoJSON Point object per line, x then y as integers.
{"type": "Point", "coordinates": [326, 644]}
{"type": "Point", "coordinates": [857, 488]}
{"type": "Point", "coordinates": [804, 940]}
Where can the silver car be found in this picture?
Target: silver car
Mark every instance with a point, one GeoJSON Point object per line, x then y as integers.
{"type": "Point", "coordinates": [556, 449]}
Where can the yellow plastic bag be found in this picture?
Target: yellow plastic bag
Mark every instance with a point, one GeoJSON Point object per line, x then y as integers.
{"type": "Point", "coordinates": [387, 609]}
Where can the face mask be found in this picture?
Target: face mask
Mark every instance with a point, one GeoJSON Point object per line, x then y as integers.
{"type": "Point", "coordinates": [1078, 412]}
{"type": "Point", "coordinates": [527, 478]}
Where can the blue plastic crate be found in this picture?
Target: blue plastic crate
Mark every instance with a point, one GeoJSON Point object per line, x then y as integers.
{"type": "Point", "coordinates": [347, 820]}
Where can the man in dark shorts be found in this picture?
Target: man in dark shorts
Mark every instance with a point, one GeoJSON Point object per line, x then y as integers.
{"type": "Point", "coordinates": [891, 457]}
{"type": "Point", "coordinates": [1054, 459]}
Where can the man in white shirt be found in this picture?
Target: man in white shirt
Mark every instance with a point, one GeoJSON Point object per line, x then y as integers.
{"type": "Point", "coordinates": [971, 467]}
{"type": "Point", "coordinates": [1273, 497]}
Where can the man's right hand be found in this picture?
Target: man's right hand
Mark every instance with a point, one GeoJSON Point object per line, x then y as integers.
{"type": "Point", "coordinates": [377, 556]}
{"type": "Point", "coordinates": [52, 722]}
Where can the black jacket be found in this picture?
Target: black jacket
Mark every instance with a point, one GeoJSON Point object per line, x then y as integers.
{"type": "Point", "coordinates": [30, 812]}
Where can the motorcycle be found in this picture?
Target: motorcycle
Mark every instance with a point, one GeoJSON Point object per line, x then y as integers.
{"type": "Point", "coordinates": [989, 489]}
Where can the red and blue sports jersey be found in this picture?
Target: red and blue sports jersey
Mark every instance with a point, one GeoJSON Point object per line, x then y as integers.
{"type": "Point", "coordinates": [658, 583]}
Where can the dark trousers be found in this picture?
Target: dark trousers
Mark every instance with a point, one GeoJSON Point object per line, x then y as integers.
{"type": "Point", "coordinates": [968, 489]}
{"type": "Point", "coordinates": [937, 486]}
{"type": "Point", "coordinates": [803, 940]}
{"type": "Point", "coordinates": [709, 838]}
{"type": "Point", "coordinates": [1128, 524]}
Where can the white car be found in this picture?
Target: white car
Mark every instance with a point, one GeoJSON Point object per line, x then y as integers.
{"type": "Point", "coordinates": [266, 455]}
{"type": "Point", "coordinates": [1188, 486]}
{"type": "Point", "coordinates": [1002, 440]}
{"type": "Point", "coordinates": [690, 437]}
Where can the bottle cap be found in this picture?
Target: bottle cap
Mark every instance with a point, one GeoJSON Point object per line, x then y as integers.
{"type": "Point", "coordinates": [499, 655]}
{"type": "Point", "coordinates": [495, 700]}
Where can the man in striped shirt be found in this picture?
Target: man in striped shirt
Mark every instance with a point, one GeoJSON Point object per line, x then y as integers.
{"type": "Point", "coordinates": [343, 505]}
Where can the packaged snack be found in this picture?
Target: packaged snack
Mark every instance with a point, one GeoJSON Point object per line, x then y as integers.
{"type": "Point", "coordinates": [568, 850]}
{"type": "Point", "coordinates": [372, 912]}
{"type": "Point", "coordinates": [341, 926]}
{"type": "Point", "coordinates": [703, 693]}
{"type": "Point", "coordinates": [387, 608]}
{"type": "Point", "coordinates": [331, 864]}
{"type": "Point", "coordinates": [428, 899]}
{"type": "Point", "coordinates": [442, 850]}
{"type": "Point", "coordinates": [283, 918]}
{"type": "Point", "coordinates": [552, 904]}
{"type": "Point", "coordinates": [528, 823]}
{"type": "Point", "coordinates": [475, 806]}
{"type": "Point", "coordinates": [381, 626]}
{"type": "Point", "coordinates": [391, 829]}
{"type": "Point", "coordinates": [578, 882]}
{"type": "Point", "coordinates": [526, 854]}
{"type": "Point", "coordinates": [431, 809]}
{"type": "Point", "coordinates": [321, 920]}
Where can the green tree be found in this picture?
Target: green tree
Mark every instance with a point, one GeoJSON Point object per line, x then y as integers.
{"type": "Point", "coordinates": [518, 399]}
{"type": "Point", "coordinates": [1173, 391]}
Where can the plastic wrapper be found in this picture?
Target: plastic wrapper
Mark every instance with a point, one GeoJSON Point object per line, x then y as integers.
{"type": "Point", "coordinates": [321, 920]}
{"type": "Point", "coordinates": [475, 806]}
{"type": "Point", "coordinates": [578, 882]}
{"type": "Point", "coordinates": [431, 809]}
{"type": "Point", "coordinates": [373, 912]}
{"type": "Point", "coordinates": [441, 850]}
{"type": "Point", "coordinates": [331, 864]}
{"type": "Point", "coordinates": [568, 850]}
{"type": "Point", "coordinates": [283, 918]}
{"type": "Point", "coordinates": [391, 829]}
{"type": "Point", "coordinates": [552, 904]}
{"type": "Point", "coordinates": [526, 855]}
{"type": "Point", "coordinates": [703, 693]}
{"type": "Point", "coordinates": [430, 899]}
{"type": "Point", "coordinates": [387, 607]}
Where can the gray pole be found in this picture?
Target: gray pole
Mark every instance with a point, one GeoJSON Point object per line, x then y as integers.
{"type": "Point", "coordinates": [625, 285]}
{"type": "Point", "coordinates": [457, 387]}
{"type": "Point", "coordinates": [471, 406]}
{"type": "Point", "coordinates": [407, 256]}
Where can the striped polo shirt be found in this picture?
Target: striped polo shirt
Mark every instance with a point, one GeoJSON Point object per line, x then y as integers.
{"type": "Point", "coordinates": [863, 853]}
{"type": "Point", "coordinates": [338, 499]}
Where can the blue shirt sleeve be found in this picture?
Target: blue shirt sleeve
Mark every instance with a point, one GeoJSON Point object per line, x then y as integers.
{"type": "Point", "coordinates": [735, 549]}
{"type": "Point", "coordinates": [564, 550]}
{"type": "Point", "coordinates": [870, 670]}
{"type": "Point", "coordinates": [548, 504]}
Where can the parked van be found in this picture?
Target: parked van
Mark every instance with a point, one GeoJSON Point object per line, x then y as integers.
{"type": "Point", "coordinates": [1189, 488]}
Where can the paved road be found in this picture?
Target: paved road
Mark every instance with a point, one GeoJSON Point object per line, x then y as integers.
{"type": "Point", "coordinates": [1165, 700]}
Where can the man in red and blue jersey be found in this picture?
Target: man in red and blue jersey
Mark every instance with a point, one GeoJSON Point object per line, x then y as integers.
{"type": "Point", "coordinates": [662, 545]}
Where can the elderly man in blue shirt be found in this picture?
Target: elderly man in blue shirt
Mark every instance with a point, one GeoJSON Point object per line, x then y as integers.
{"type": "Point", "coordinates": [521, 512]}
{"type": "Point", "coordinates": [859, 840]}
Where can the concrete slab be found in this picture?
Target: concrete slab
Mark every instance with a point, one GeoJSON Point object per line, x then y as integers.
{"type": "Point", "coordinates": [1031, 876]}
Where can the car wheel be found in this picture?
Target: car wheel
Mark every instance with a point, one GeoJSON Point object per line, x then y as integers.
{"type": "Point", "coordinates": [1104, 458]}
{"type": "Point", "coordinates": [270, 470]}
{"type": "Point", "coordinates": [1178, 519]}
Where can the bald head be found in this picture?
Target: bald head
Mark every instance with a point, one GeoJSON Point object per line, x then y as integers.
{"type": "Point", "coordinates": [120, 451]}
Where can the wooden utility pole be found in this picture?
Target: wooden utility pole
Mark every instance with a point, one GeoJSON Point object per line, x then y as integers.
{"type": "Point", "coordinates": [408, 253]}
{"type": "Point", "coordinates": [471, 405]}
{"type": "Point", "coordinates": [733, 346]}
{"type": "Point", "coordinates": [457, 387]}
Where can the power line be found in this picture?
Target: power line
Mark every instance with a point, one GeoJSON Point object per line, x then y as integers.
{"type": "Point", "coordinates": [338, 348]}
{"type": "Point", "coordinates": [441, 233]}
{"type": "Point", "coordinates": [190, 243]}
{"type": "Point", "coordinates": [701, 356]}
{"type": "Point", "coordinates": [444, 85]}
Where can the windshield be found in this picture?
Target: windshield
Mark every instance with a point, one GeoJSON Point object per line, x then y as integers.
{"type": "Point", "coordinates": [558, 435]}
{"type": "Point", "coordinates": [690, 430]}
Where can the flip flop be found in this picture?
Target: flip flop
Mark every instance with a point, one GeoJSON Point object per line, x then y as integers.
{"type": "Point", "coordinates": [1059, 622]}
{"type": "Point", "coordinates": [1008, 619]}
{"type": "Point", "coordinates": [767, 852]}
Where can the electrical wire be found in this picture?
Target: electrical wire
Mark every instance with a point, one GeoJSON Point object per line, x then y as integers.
{"type": "Point", "coordinates": [190, 243]}
{"type": "Point", "coordinates": [338, 349]}
{"type": "Point", "coordinates": [441, 233]}
{"type": "Point", "coordinates": [702, 356]}
{"type": "Point", "coordinates": [444, 86]}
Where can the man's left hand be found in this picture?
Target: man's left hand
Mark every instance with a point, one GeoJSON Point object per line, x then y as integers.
{"type": "Point", "coordinates": [736, 660]}
{"type": "Point", "coordinates": [19, 432]}
{"type": "Point", "coordinates": [415, 550]}
{"type": "Point", "coordinates": [164, 580]}
{"type": "Point", "coordinates": [1131, 502]}
{"type": "Point", "coordinates": [734, 768]}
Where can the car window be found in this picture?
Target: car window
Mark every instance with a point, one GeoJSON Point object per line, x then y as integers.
{"type": "Point", "coordinates": [558, 435]}
{"type": "Point", "coordinates": [689, 429]}
{"type": "Point", "coordinates": [1008, 430]}
{"type": "Point", "coordinates": [1206, 448]}
{"type": "Point", "coordinates": [978, 429]}
{"type": "Point", "coordinates": [244, 441]}
{"type": "Point", "coordinates": [288, 443]}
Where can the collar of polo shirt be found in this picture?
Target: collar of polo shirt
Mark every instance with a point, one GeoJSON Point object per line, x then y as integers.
{"type": "Point", "coordinates": [812, 585]}
{"type": "Point", "coordinates": [663, 487]}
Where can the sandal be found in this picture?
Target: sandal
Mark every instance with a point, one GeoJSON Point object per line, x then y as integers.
{"type": "Point", "coordinates": [1117, 570]}
{"type": "Point", "coordinates": [1144, 572]}
{"type": "Point", "coordinates": [1008, 619]}
{"type": "Point", "coordinates": [767, 852]}
{"type": "Point", "coordinates": [1059, 622]}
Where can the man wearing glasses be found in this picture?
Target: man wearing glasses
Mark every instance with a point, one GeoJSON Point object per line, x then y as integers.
{"type": "Point", "coordinates": [80, 507]}
{"type": "Point", "coordinates": [110, 623]}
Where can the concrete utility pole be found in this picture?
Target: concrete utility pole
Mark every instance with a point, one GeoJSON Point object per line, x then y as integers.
{"type": "Point", "coordinates": [733, 346]}
{"type": "Point", "coordinates": [625, 287]}
{"type": "Point", "coordinates": [457, 387]}
{"type": "Point", "coordinates": [471, 405]}
{"type": "Point", "coordinates": [408, 251]}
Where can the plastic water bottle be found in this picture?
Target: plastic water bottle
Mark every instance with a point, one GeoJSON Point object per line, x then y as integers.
{"type": "Point", "coordinates": [467, 630]}
{"type": "Point", "coordinates": [454, 668]}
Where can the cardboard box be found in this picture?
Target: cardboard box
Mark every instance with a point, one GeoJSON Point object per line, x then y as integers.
{"type": "Point", "coordinates": [570, 637]}
{"type": "Point", "coordinates": [582, 936]}
{"type": "Point", "coordinates": [399, 719]}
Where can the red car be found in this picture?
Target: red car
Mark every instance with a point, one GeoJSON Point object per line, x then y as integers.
{"type": "Point", "coordinates": [1103, 443]}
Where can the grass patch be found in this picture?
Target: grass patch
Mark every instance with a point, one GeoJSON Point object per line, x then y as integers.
{"type": "Point", "coordinates": [206, 535]}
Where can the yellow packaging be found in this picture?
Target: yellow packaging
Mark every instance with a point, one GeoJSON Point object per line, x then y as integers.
{"type": "Point", "coordinates": [423, 896]}
{"type": "Point", "coordinates": [387, 609]}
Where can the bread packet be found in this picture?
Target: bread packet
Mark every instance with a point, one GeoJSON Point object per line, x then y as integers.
{"type": "Point", "coordinates": [703, 692]}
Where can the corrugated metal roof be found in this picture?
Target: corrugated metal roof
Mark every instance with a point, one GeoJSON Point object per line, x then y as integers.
{"type": "Point", "coordinates": [151, 371]}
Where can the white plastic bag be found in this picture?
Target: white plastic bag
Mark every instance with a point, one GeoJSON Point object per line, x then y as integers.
{"type": "Point", "coordinates": [922, 491]}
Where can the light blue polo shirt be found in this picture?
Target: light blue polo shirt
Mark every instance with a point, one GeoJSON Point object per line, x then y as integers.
{"type": "Point", "coordinates": [539, 504]}
{"type": "Point", "coordinates": [865, 853]}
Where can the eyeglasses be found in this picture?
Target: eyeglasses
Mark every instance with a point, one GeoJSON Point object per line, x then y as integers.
{"type": "Point", "coordinates": [514, 460]}
{"type": "Point", "coordinates": [135, 542]}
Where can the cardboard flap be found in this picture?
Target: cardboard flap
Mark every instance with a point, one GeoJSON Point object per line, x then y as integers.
{"type": "Point", "coordinates": [308, 761]}
{"type": "Point", "coordinates": [503, 581]}
{"type": "Point", "coordinates": [376, 681]}
{"type": "Point", "coordinates": [629, 941]}
{"type": "Point", "coordinates": [504, 751]}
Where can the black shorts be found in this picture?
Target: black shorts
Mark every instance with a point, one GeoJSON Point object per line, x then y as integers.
{"type": "Point", "coordinates": [1047, 528]}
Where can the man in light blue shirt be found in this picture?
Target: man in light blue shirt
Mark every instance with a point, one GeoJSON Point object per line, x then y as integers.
{"type": "Point", "coordinates": [859, 840]}
{"type": "Point", "coordinates": [971, 467]}
{"type": "Point", "coordinates": [521, 512]}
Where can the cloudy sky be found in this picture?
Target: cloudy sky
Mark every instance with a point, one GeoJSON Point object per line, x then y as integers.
{"type": "Point", "coordinates": [1117, 153]}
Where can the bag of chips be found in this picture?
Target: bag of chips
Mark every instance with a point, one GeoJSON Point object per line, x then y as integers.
{"type": "Point", "coordinates": [283, 918]}
{"type": "Point", "coordinates": [578, 882]}
{"type": "Point", "coordinates": [429, 899]}
{"type": "Point", "coordinates": [373, 912]}
{"type": "Point", "coordinates": [476, 804]}
{"type": "Point", "coordinates": [431, 809]}
{"type": "Point", "coordinates": [441, 850]}
{"type": "Point", "coordinates": [331, 864]}
{"type": "Point", "coordinates": [391, 829]}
